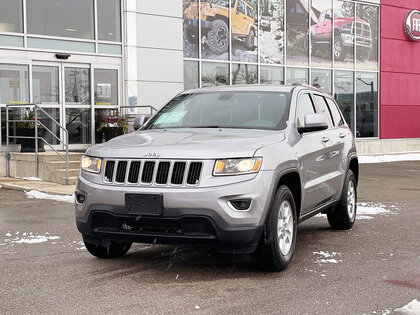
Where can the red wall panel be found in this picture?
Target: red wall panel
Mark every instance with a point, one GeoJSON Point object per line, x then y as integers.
{"type": "Point", "coordinates": [400, 73]}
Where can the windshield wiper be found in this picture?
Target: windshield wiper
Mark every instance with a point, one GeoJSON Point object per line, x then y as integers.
{"type": "Point", "coordinates": [211, 126]}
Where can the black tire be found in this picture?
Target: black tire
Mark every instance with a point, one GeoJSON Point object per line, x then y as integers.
{"type": "Point", "coordinates": [339, 51]}
{"type": "Point", "coordinates": [340, 217]}
{"type": "Point", "coordinates": [268, 255]}
{"type": "Point", "coordinates": [250, 40]}
{"type": "Point", "coordinates": [113, 251]}
{"type": "Point", "coordinates": [218, 37]}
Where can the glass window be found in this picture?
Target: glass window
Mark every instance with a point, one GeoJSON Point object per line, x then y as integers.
{"type": "Point", "coordinates": [338, 120]}
{"type": "Point", "coordinates": [106, 87]}
{"type": "Point", "coordinates": [11, 16]}
{"type": "Point", "coordinates": [305, 107]}
{"type": "Point", "coordinates": [78, 125]}
{"type": "Point", "coordinates": [190, 14]}
{"type": "Point", "coordinates": [53, 127]}
{"type": "Point", "coordinates": [271, 31]}
{"type": "Point", "coordinates": [344, 34]}
{"type": "Point", "coordinates": [228, 109]}
{"type": "Point", "coordinates": [244, 74]}
{"type": "Point", "coordinates": [214, 74]}
{"type": "Point", "coordinates": [101, 118]}
{"type": "Point", "coordinates": [322, 79]}
{"type": "Point", "coordinates": [244, 32]}
{"type": "Point", "coordinates": [297, 20]}
{"type": "Point", "coordinates": [61, 18]}
{"type": "Point", "coordinates": [14, 84]}
{"type": "Point", "coordinates": [109, 20]}
{"type": "Point", "coordinates": [296, 76]}
{"type": "Point", "coordinates": [344, 89]}
{"type": "Point", "coordinates": [322, 108]}
{"type": "Point", "coordinates": [321, 33]}
{"type": "Point", "coordinates": [272, 75]}
{"type": "Point", "coordinates": [77, 85]}
{"type": "Point", "coordinates": [191, 75]}
{"type": "Point", "coordinates": [367, 37]}
{"type": "Point", "coordinates": [215, 34]}
{"type": "Point", "coordinates": [366, 105]}
{"type": "Point", "coordinates": [45, 85]}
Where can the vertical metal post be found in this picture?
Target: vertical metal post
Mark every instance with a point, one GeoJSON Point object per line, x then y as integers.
{"type": "Point", "coordinates": [67, 158]}
{"type": "Point", "coordinates": [7, 143]}
{"type": "Point", "coordinates": [36, 141]}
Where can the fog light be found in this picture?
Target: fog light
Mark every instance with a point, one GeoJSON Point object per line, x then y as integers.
{"type": "Point", "coordinates": [80, 198]}
{"type": "Point", "coordinates": [241, 204]}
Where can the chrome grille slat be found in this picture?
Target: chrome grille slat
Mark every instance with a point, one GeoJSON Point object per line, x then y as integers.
{"type": "Point", "coordinates": [152, 172]}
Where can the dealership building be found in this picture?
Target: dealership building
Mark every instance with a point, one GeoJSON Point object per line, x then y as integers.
{"type": "Point", "coordinates": [83, 60]}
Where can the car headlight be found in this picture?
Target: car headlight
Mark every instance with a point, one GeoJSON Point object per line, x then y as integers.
{"type": "Point", "coordinates": [237, 166]}
{"type": "Point", "coordinates": [91, 164]}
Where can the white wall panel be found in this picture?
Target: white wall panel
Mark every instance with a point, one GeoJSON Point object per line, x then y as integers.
{"type": "Point", "coordinates": [161, 7]}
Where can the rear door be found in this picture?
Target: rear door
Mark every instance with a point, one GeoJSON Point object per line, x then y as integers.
{"type": "Point", "coordinates": [314, 159]}
{"type": "Point", "coordinates": [332, 157]}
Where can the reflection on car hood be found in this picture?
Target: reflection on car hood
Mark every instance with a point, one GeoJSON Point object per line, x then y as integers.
{"type": "Point", "coordinates": [187, 143]}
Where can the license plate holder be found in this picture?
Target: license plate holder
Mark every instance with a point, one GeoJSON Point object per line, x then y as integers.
{"type": "Point", "coordinates": [144, 204]}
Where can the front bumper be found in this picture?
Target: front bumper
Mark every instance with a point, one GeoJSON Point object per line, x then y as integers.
{"type": "Point", "coordinates": [197, 216]}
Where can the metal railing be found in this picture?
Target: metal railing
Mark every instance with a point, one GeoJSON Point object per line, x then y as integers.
{"type": "Point", "coordinates": [152, 109]}
{"type": "Point", "coordinates": [36, 138]}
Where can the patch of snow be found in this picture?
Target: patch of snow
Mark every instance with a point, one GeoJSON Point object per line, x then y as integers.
{"type": "Point", "coordinates": [370, 159]}
{"type": "Point", "coordinates": [197, 307]}
{"type": "Point", "coordinates": [29, 238]}
{"type": "Point", "coordinates": [412, 308]}
{"type": "Point", "coordinates": [8, 234]}
{"type": "Point", "coordinates": [367, 210]}
{"type": "Point", "coordinates": [32, 178]}
{"type": "Point", "coordinates": [40, 195]}
{"type": "Point", "coordinates": [0, 186]}
{"type": "Point", "coordinates": [327, 257]}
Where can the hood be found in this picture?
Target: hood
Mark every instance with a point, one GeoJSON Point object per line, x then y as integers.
{"type": "Point", "coordinates": [187, 144]}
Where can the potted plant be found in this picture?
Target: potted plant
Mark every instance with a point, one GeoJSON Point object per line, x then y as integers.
{"type": "Point", "coordinates": [113, 126]}
{"type": "Point", "coordinates": [26, 128]}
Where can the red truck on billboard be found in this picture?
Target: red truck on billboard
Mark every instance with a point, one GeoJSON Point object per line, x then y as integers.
{"type": "Point", "coordinates": [345, 29]}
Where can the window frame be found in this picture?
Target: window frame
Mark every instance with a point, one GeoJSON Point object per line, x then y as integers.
{"type": "Point", "coordinates": [298, 104]}
{"type": "Point", "coordinates": [330, 126]}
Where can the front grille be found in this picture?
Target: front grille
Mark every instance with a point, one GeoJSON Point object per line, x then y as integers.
{"type": "Point", "coordinates": [152, 172]}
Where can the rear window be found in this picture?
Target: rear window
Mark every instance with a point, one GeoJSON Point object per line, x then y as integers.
{"type": "Point", "coordinates": [227, 109]}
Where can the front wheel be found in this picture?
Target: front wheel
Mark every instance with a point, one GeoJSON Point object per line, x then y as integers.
{"type": "Point", "coordinates": [277, 246]}
{"type": "Point", "coordinates": [112, 251]}
{"type": "Point", "coordinates": [339, 52]}
{"type": "Point", "coordinates": [343, 216]}
{"type": "Point", "coordinates": [218, 37]}
{"type": "Point", "coordinates": [250, 40]}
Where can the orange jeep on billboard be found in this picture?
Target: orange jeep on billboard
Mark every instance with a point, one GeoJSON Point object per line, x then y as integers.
{"type": "Point", "coordinates": [214, 15]}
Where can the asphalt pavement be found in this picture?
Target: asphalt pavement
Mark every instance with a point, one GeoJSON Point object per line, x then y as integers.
{"type": "Point", "coordinates": [372, 269]}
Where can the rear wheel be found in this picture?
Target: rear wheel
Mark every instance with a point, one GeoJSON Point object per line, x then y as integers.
{"type": "Point", "coordinates": [218, 37]}
{"type": "Point", "coordinates": [250, 40]}
{"type": "Point", "coordinates": [277, 247]}
{"type": "Point", "coordinates": [112, 251]}
{"type": "Point", "coordinates": [343, 216]}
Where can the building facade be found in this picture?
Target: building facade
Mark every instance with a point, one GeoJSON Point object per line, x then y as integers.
{"type": "Point", "coordinates": [83, 60]}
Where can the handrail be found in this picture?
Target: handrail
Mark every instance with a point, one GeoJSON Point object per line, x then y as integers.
{"type": "Point", "coordinates": [36, 137]}
{"type": "Point", "coordinates": [141, 106]}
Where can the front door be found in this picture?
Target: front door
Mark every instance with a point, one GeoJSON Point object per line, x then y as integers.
{"type": "Point", "coordinates": [78, 96]}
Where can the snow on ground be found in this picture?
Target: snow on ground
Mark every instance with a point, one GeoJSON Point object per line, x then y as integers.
{"type": "Point", "coordinates": [327, 257]}
{"type": "Point", "coordinates": [368, 159]}
{"type": "Point", "coordinates": [40, 195]}
{"type": "Point", "coordinates": [28, 238]}
{"type": "Point", "coordinates": [368, 210]}
{"type": "Point", "coordinates": [32, 178]}
{"type": "Point", "coordinates": [412, 308]}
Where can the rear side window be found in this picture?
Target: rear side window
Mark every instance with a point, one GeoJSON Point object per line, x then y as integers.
{"type": "Point", "coordinates": [322, 108]}
{"type": "Point", "coordinates": [305, 107]}
{"type": "Point", "coordinates": [241, 7]}
{"type": "Point", "coordinates": [338, 120]}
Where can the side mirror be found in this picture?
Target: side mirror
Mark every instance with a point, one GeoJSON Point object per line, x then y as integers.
{"type": "Point", "coordinates": [328, 16]}
{"type": "Point", "coordinates": [314, 122]}
{"type": "Point", "coordinates": [140, 121]}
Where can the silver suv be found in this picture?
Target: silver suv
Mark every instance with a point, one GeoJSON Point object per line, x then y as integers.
{"type": "Point", "coordinates": [235, 168]}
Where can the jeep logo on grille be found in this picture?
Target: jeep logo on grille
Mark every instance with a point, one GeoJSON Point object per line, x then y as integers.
{"type": "Point", "coordinates": [152, 154]}
{"type": "Point", "coordinates": [412, 25]}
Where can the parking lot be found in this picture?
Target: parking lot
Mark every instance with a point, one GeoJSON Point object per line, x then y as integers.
{"type": "Point", "coordinates": [372, 269]}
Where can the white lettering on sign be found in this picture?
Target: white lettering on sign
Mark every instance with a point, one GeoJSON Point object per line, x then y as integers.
{"type": "Point", "coordinates": [416, 25]}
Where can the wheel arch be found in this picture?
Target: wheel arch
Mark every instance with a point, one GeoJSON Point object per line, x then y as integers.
{"type": "Point", "coordinates": [354, 167]}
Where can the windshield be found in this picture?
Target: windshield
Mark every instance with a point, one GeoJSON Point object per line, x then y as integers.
{"type": "Point", "coordinates": [227, 109]}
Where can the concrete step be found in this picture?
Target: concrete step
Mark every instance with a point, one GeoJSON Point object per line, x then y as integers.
{"type": "Point", "coordinates": [62, 165]}
{"type": "Point", "coordinates": [62, 172]}
{"type": "Point", "coordinates": [62, 180]}
{"type": "Point", "coordinates": [74, 157]}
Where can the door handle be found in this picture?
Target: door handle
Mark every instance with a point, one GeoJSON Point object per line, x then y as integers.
{"type": "Point", "coordinates": [342, 135]}
{"type": "Point", "coordinates": [325, 139]}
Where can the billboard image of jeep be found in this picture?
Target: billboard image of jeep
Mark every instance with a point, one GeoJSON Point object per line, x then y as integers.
{"type": "Point", "coordinates": [220, 23]}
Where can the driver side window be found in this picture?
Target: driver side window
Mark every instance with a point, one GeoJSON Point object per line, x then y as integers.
{"type": "Point", "coordinates": [305, 106]}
